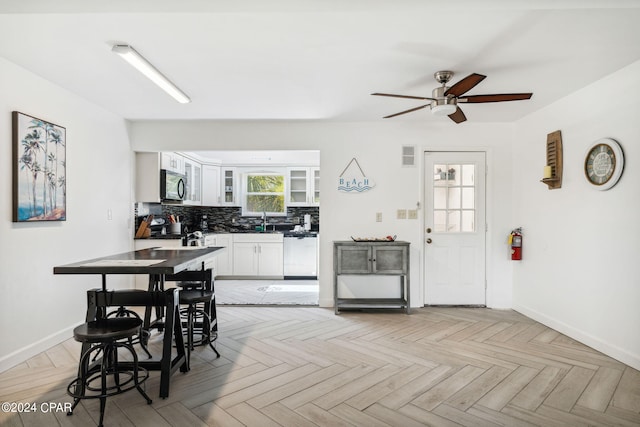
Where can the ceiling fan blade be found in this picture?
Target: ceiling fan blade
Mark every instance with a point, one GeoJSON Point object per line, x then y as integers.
{"type": "Point", "coordinates": [465, 85]}
{"type": "Point", "coordinates": [458, 116]}
{"type": "Point", "coordinates": [496, 97]}
{"type": "Point", "coordinates": [407, 111]}
{"type": "Point", "coordinates": [402, 96]}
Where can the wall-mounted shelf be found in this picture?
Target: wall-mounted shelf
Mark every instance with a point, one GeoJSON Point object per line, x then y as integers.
{"type": "Point", "coordinates": [554, 160]}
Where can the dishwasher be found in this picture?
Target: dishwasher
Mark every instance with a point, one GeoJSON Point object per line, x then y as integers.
{"type": "Point", "coordinates": [301, 255]}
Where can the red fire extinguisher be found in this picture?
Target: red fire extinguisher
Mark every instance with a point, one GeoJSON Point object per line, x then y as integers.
{"type": "Point", "coordinates": [515, 240]}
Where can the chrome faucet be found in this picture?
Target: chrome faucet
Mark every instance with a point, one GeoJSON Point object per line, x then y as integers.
{"type": "Point", "coordinates": [264, 221]}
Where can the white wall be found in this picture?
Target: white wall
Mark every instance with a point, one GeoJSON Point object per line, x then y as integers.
{"type": "Point", "coordinates": [580, 270]}
{"type": "Point", "coordinates": [38, 309]}
{"type": "Point", "coordinates": [377, 147]}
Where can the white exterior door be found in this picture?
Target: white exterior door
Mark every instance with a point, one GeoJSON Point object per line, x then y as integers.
{"type": "Point", "coordinates": [455, 229]}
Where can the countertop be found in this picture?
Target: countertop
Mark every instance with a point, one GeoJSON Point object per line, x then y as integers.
{"type": "Point", "coordinates": [287, 233]}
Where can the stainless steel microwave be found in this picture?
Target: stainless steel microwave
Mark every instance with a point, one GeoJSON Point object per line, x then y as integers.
{"type": "Point", "coordinates": [172, 185]}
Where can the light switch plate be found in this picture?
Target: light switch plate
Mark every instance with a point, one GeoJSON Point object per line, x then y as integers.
{"type": "Point", "coordinates": [378, 216]}
{"type": "Point", "coordinates": [412, 214]}
{"type": "Point", "coordinates": [402, 214]}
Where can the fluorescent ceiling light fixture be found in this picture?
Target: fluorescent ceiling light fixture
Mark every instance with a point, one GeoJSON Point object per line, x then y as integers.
{"type": "Point", "coordinates": [130, 55]}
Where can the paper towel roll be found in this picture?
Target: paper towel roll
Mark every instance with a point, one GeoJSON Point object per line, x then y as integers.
{"type": "Point", "coordinates": [307, 222]}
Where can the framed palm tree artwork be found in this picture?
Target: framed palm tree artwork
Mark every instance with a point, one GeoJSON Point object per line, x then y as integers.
{"type": "Point", "coordinates": [39, 170]}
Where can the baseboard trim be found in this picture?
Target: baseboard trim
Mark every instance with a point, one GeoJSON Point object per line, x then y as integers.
{"type": "Point", "coordinates": [22, 355]}
{"type": "Point", "coordinates": [596, 343]}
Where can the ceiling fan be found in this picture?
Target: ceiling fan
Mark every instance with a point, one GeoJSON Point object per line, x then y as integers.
{"type": "Point", "coordinates": [445, 99]}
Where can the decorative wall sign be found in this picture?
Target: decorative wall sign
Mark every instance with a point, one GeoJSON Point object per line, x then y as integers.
{"type": "Point", "coordinates": [358, 182]}
{"type": "Point", "coordinates": [39, 170]}
{"type": "Point", "coordinates": [604, 163]}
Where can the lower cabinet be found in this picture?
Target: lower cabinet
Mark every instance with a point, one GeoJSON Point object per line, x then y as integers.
{"type": "Point", "coordinates": [142, 280]}
{"type": "Point", "coordinates": [258, 255]}
{"type": "Point", "coordinates": [223, 264]}
{"type": "Point", "coordinates": [246, 255]}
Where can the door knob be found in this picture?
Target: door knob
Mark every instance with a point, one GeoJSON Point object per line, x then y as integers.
{"type": "Point", "coordinates": [429, 241]}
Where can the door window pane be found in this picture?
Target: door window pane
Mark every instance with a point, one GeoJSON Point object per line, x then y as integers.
{"type": "Point", "coordinates": [440, 198]}
{"type": "Point", "coordinates": [468, 221]}
{"type": "Point", "coordinates": [440, 221]}
{"type": "Point", "coordinates": [454, 198]}
{"type": "Point", "coordinates": [468, 172]}
{"type": "Point", "coordinates": [440, 175]}
{"type": "Point", "coordinates": [453, 218]}
{"type": "Point", "coordinates": [468, 198]}
{"type": "Point", "coordinates": [453, 174]}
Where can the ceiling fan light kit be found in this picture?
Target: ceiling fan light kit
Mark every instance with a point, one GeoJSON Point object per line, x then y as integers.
{"type": "Point", "coordinates": [443, 109]}
{"type": "Point", "coordinates": [129, 54]}
{"type": "Point", "coordinates": [445, 99]}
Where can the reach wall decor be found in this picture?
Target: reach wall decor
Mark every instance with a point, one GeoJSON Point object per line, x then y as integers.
{"type": "Point", "coordinates": [39, 170]}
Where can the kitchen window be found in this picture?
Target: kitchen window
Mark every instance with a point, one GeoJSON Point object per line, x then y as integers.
{"type": "Point", "coordinates": [263, 192]}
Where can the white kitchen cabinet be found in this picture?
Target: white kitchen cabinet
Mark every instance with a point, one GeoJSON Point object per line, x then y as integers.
{"type": "Point", "coordinates": [193, 187]}
{"type": "Point", "coordinates": [315, 189]}
{"type": "Point", "coordinates": [229, 187]}
{"type": "Point", "coordinates": [304, 186]}
{"type": "Point", "coordinates": [223, 263]}
{"type": "Point", "coordinates": [148, 177]}
{"type": "Point", "coordinates": [270, 259]}
{"type": "Point", "coordinates": [142, 280]}
{"type": "Point", "coordinates": [258, 255]}
{"type": "Point", "coordinates": [210, 185]}
{"type": "Point", "coordinates": [173, 162]}
{"type": "Point", "coordinates": [245, 260]}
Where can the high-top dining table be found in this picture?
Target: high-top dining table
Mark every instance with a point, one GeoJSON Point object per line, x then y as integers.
{"type": "Point", "coordinates": [158, 263]}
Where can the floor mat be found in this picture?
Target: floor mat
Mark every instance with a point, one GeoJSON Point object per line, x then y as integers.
{"type": "Point", "coordinates": [266, 292]}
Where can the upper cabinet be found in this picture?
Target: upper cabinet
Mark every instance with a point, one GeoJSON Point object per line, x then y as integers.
{"type": "Point", "coordinates": [148, 167]}
{"type": "Point", "coordinates": [229, 193]}
{"type": "Point", "coordinates": [210, 185]}
{"type": "Point", "coordinates": [315, 191]}
{"type": "Point", "coordinates": [193, 187]}
{"type": "Point", "coordinates": [304, 186]}
{"type": "Point", "coordinates": [214, 183]}
{"type": "Point", "coordinates": [173, 162]}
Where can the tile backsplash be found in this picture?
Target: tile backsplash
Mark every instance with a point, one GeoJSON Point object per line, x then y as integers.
{"type": "Point", "coordinates": [220, 219]}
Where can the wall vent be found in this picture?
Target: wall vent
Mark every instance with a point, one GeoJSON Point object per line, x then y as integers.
{"type": "Point", "coordinates": [408, 155]}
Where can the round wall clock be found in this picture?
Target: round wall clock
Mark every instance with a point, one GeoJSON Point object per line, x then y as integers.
{"type": "Point", "coordinates": [603, 163]}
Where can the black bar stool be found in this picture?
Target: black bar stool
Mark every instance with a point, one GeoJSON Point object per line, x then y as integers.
{"type": "Point", "coordinates": [198, 320]}
{"type": "Point", "coordinates": [108, 377]}
{"type": "Point", "coordinates": [199, 317]}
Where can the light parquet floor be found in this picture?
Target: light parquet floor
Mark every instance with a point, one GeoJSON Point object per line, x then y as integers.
{"type": "Point", "coordinates": [304, 366]}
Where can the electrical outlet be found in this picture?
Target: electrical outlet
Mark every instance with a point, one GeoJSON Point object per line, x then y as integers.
{"type": "Point", "coordinates": [378, 216]}
{"type": "Point", "coordinates": [402, 214]}
{"type": "Point", "coordinates": [412, 214]}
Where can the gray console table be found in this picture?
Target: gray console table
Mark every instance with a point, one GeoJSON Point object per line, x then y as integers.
{"type": "Point", "coordinates": [371, 258]}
